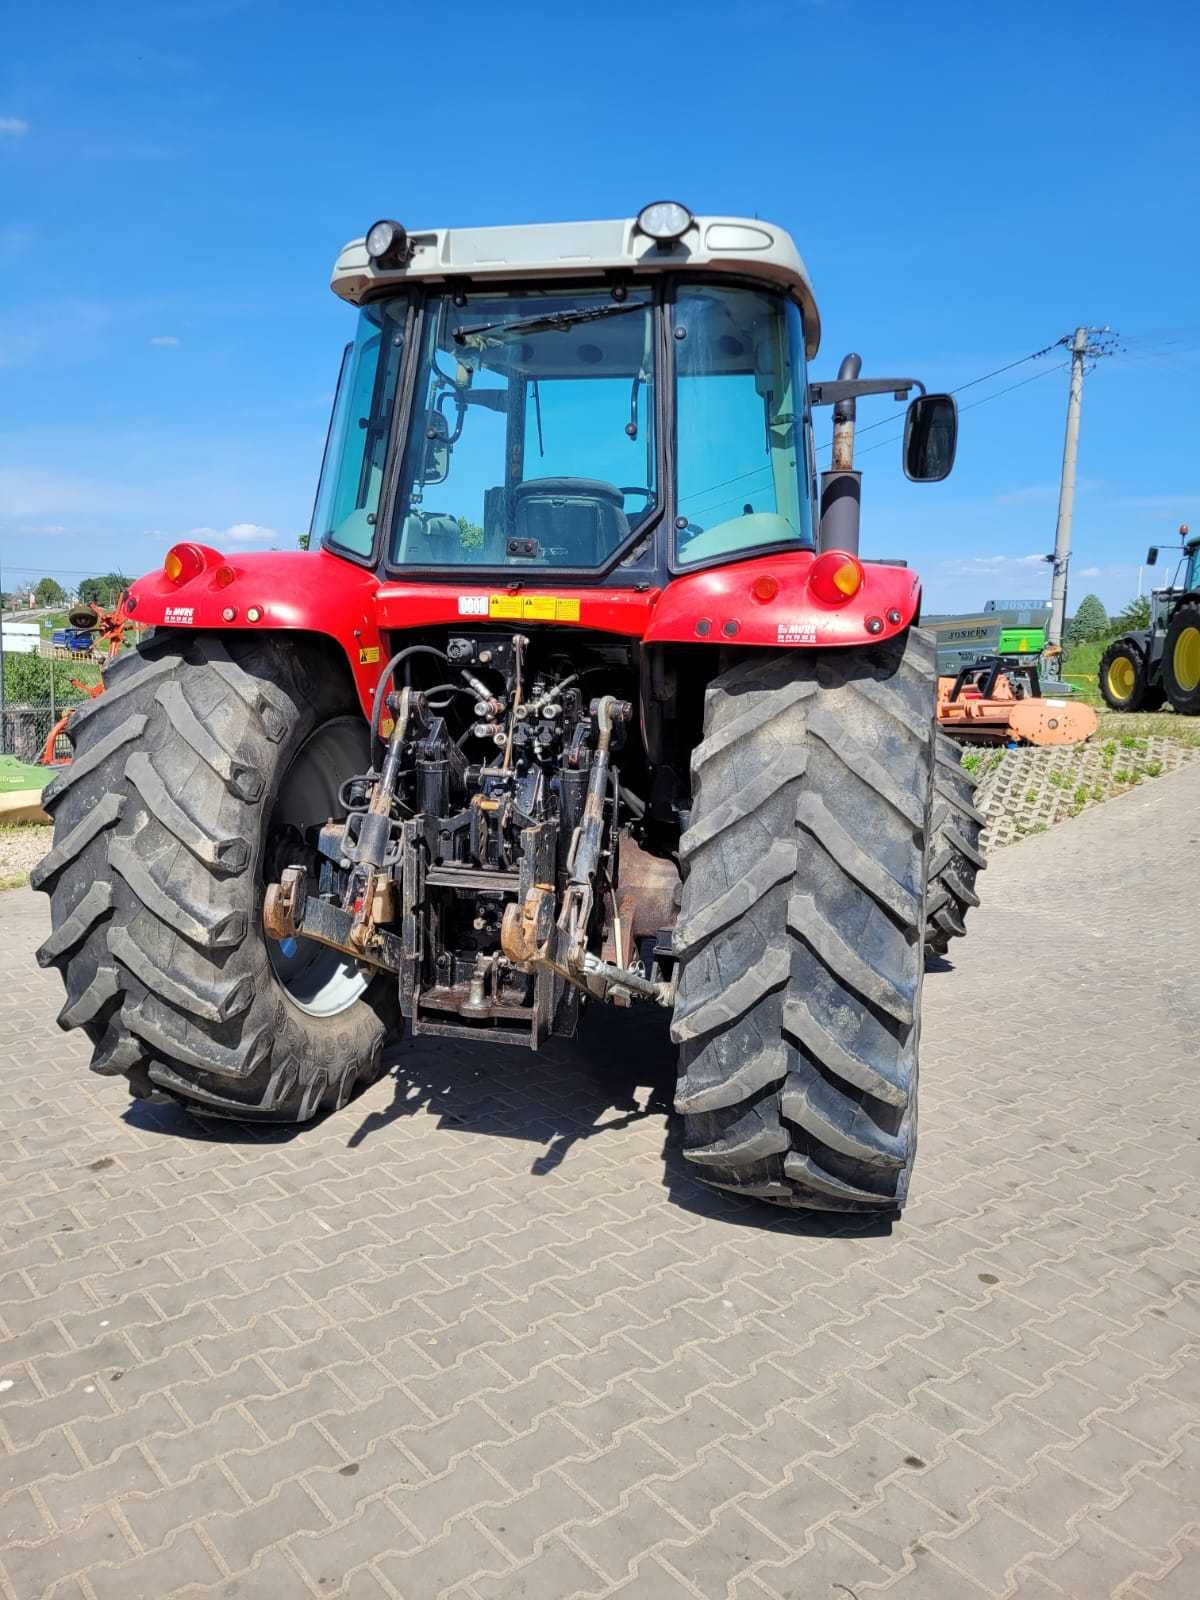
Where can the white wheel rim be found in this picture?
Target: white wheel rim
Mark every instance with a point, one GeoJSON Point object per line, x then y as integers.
{"type": "Point", "coordinates": [317, 979]}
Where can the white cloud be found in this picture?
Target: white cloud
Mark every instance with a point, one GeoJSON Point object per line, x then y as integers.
{"type": "Point", "coordinates": [237, 533]}
{"type": "Point", "coordinates": [1033, 494]}
{"type": "Point", "coordinates": [990, 566]}
{"type": "Point", "coordinates": [14, 127]}
{"type": "Point", "coordinates": [28, 493]}
{"type": "Point", "coordinates": [165, 341]}
{"type": "Point", "coordinates": [1166, 503]}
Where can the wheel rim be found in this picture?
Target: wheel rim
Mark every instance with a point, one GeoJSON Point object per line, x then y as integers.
{"type": "Point", "coordinates": [1121, 678]}
{"type": "Point", "coordinates": [315, 978]}
{"type": "Point", "coordinates": [1186, 659]}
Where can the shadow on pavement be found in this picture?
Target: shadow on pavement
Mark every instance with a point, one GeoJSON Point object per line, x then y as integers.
{"type": "Point", "coordinates": [618, 1071]}
{"type": "Point", "coordinates": [161, 1114]}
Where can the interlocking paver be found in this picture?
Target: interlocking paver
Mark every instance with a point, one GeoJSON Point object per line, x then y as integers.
{"type": "Point", "coordinates": [480, 1333]}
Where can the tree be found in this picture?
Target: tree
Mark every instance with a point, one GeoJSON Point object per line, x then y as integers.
{"type": "Point", "coordinates": [103, 592]}
{"type": "Point", "coordinates": [1089, 622]}
{"type": "Point", "coordinates": [304, 540]}
{"type": "Point", "coordinates": [49, 593]}
{"type": "Point", "coordinates": [1135, 615]}
{"type": "Point", "coordinates": [471, 534]}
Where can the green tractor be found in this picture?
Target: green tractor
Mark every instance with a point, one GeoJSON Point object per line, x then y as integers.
{"type": "Point", "coordinates": [1142, 669]}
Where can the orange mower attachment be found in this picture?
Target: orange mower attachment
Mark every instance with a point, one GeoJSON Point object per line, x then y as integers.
{"type": "Point", "coordinates": [993, 703]}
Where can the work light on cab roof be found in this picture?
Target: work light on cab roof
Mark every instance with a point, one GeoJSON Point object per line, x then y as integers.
{"type": "Point", "coordinates": [582, 694]}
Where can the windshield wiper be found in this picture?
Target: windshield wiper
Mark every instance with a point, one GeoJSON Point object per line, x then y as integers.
{"type": "Point", "coordinates": [551, 322]}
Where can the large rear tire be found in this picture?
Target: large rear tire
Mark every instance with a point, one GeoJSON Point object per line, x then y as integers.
{"type": "Point", "coordinates": [1181, 661]}
{"type": "Point", "coordinates": [192, 779]}
{"type": "Point", "coordinates": [802, 926]}
{"type": "Point", "coordinates": [956, 853]}
{"type": "Point", "coordinates": [1124, 678]}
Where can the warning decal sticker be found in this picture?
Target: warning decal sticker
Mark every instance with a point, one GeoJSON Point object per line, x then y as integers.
{"type": "Point", "coordinates": [519, 607]}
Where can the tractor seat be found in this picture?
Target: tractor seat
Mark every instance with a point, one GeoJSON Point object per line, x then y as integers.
{"type": "Point", "coordinates": [577, 522]}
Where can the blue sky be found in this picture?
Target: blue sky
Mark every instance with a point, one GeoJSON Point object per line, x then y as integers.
{"type": "Point", "coordinates": [966, 183]}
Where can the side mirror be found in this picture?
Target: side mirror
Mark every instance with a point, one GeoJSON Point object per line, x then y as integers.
{"type": "Point", "coordinates": [1152, 556]}
{"type": "Point", "coordinates": [930, 438]}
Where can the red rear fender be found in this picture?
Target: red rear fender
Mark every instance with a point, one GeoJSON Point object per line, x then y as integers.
{"type": "Point", "coordinates": [269, 591]}
{"type": "Point", "coordinates": [770, 601]}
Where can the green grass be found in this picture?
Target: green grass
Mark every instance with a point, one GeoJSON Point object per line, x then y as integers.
{"type": "Point", "coordinates": [1081, 665]}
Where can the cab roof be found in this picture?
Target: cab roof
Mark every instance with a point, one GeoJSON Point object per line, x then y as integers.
{"type": "Point", "coordinates": [744, 246]}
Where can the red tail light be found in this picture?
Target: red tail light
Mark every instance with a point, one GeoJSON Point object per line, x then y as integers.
{"type": "Point", "coordinates": [835, 577]}
{"type": "Point", "coordinates": [183, 562]}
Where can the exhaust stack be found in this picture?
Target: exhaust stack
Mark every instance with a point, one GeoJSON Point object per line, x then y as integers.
{"type": "Point", "coordinates": [841, 486]}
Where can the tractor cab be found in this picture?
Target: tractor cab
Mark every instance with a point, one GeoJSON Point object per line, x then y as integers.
{"type": "Point", "coordinates": [613, 405]}
{"type": "Point", "coordinates": [1185, 579]}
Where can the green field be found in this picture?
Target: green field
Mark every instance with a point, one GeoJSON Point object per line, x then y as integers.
{"type": "Point", "coordinates": [1081, 667]}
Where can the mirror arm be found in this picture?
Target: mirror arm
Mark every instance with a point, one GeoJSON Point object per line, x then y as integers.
{"type": "Point", "coordinates": [833, 390]}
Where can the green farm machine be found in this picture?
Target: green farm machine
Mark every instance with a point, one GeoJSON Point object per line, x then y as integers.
{"type": "Point", "coordinates": [1147, 666]}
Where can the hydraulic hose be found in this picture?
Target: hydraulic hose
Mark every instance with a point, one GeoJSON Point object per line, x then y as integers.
{"type": "Point", "coordinates": [384, 677]}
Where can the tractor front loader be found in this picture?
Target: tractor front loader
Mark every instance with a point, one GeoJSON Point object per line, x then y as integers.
{"type": "Point", "coordinates": [584, 695]}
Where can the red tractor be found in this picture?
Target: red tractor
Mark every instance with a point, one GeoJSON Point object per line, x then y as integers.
{"type": "Point", "coordinates": [583, 694]}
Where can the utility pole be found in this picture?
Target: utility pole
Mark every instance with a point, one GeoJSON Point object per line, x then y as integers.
{"type": "Point", "coordinates": [1080, 349]}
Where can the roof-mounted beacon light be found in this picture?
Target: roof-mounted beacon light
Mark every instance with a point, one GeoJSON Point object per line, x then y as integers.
{"type": "Point", "coordinates": [664, 221]}
{"type": "Point", "coordinates": [387, 243]}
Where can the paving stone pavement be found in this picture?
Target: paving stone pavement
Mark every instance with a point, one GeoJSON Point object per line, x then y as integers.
{"type": "Point", "coordinates": [481, 1335]}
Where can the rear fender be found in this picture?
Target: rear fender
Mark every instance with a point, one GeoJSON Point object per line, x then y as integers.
{"type": "Point", "coordinates": [276, 591]}
{"type": "Point", "coordinates": [721, 606]}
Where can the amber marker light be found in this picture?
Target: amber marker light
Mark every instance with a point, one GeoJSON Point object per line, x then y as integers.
{"type": "Point", "coordinates": [835, 577]}
{"type": "Point", "coordinates": [764, 588]}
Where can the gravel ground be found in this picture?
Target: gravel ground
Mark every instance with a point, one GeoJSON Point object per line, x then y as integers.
{"type": "Point", "coordinates": [21, 847]}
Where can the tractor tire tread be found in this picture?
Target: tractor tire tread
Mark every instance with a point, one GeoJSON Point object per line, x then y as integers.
{"type": "Point", "coordinates": [802, 925]}
{"type": "Point", "coordinates": [958, 852]}
{"type": "Point", "coordinates": [154, 879]}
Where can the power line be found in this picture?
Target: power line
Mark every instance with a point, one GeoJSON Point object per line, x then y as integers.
{"type": "Point", "coordinates": [1034, 355]}
{"type": "Point", "coordinates": [1008, 389]}
{"type": "Point", "coordinates": [11, 567]}
{"type": "Point", "coordinates": [996, 372]}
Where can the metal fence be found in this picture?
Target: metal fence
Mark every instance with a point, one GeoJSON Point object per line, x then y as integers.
{"type": "Point", "coordinates": [24, 729]}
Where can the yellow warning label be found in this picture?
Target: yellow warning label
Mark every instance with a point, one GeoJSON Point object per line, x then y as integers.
{"type": "Point", "coordinates": [532, 608]}
{"type": "Point", "coordinates": [368, 655]}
